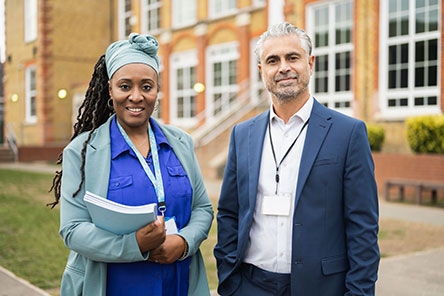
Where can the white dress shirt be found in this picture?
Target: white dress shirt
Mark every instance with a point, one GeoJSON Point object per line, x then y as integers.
{"type": "Point", "coordinates": [270, 241]}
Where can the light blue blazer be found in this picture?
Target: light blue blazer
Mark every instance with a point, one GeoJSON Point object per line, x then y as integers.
{"type": "Point", "coordinates": [91, 247]}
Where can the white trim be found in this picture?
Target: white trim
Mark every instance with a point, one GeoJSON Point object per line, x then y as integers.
{"type": "Point", "coordinates": [184, 13]}
{"type": "Point", "coordinates": [180, 60]}
{"type": "Point", "coordinates": [410, 92]}
{"type": "Point", "coordinates": [30, 93]}
{"type": "Point", "coordinates": [223, 53]}
{"type": "Point", "coordinates": [30, 20]}
{"type": "Point", "coordinates": [276, 12]}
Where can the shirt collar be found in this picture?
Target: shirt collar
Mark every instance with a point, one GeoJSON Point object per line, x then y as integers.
{"type": "Point", "coordinates": [119, 145]}
{"type": "Point", "coordinates": [303, 113]}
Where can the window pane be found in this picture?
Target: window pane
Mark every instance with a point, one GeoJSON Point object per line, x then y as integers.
{"type": "Point", "coordinates": [33, 111]}
{"type": "Point", "coordinates": [419, 101]}
{"type": "Point", "coordinates": [404, 102]}
{"type": "Point", "coordinates": [232, 72]}
{"type": "Point", "coordinates": [32, 80]}
{"type": "Point", "coordinates": [433, 20]}
{"type": "Point", "coordinates": [392, 55]}
{"type": "Point", "coordinates": [419, 51]}
{"type": "Point", "coordinates": [420, 3]}
{"type": "Point", "coordinates": [180, 79]}
{"type": "Point", "coordinates": [404, 78]}
{"type": "Point", "coordinates": [192, 76]}
{"type": "Point", "coordinates": [420, 22]}
{"type": "Point", "coordinates": [432, 101]}
{"type": "Point", "coordinates": [391, 102]}
{"type": "Point", "coordinates": [392, 79]}
{"type": "Point", "coordinates": [433, 75]}
{"type": "Point", "coordinates": [392, 5]}
{"type": "Point", "coordinates": [404, 5]}
{"type": "Point", "coordinates": [404, 26]}
{"type": "Point", "coordinates": [433, 50]}
{"type": "Point", "coordinates": [217, 68]}
{"type": "Point", "coordinates": [404, 53]}
{"type": "Point", "coordinates": [419, 77]}
{"type": "Point", "coordinates": [192, 106]}
{"type": "Point", "coordinates": [392, 28]}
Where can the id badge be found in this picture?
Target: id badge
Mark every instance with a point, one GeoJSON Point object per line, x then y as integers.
{"type": "Point", "coordinates": [276, 205]}
{"type": "Point", "coordinates": [170, 225]}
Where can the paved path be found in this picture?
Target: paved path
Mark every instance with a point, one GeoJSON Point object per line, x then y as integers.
{"type": "Point", "coordinates": [414, 274]}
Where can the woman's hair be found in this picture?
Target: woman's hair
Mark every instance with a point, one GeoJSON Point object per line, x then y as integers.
{"type": "Point", "coordinates": [93, 112]}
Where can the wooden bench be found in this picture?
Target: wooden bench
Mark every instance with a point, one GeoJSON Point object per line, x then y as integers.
{"type": "Point", "coordinates": [419, 186]}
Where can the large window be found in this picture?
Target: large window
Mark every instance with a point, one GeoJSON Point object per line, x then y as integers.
{"type": "Point", "coordinates": [184, 12]}
{"type": "Point", "coordinates": [151, 16]}
{"type": "Point", "coordinates": [331, 26]}
{"type": "Point", "coordinates": [409, 75]}
{"type": "Point", "coordinates": [222, 7]}
{"type": "Point", "coordinates": [30, 94]}
{"type": "Point", "coordinates": [30, 20]}
{"type": "Point", "coordinates": [183, 78]}
{"type": "Point", "coordinates": [125, 14]}
{"type": "Point", "coordinates": [221, 79]}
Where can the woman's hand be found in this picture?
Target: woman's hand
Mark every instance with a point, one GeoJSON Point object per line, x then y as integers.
{"type": "Point", "coordinates": [152, 235]}
{"type": "Point", "coordinates": [171, 250]}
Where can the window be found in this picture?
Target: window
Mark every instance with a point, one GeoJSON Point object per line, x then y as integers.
{"type": "Point", "coordinates": [220, 8]}
{"type": "Point", "coordinates": [150, 20]}
{"type": "Point", "coordinates": [331, 26]}
{"type": "Point", "coordinates": [183, 95]}
{"type": "Point", "coordinates": [125, 14]}
{"type": "Point", "coordinates": [184, 12]}
{"type": "Point", "coordinates": [222, 79]}
{"type": "Point", "coordinates": [409, 60]}
{"type": "Point", "coordinates": [30, 20]}
{"type": "Point", "coordinates": [30, 94]}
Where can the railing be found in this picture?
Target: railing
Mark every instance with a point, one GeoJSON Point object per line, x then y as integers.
{"type": "Point", "coordinates": [239, 108]}
{"type": "Point", "coordinates": [12, 141]}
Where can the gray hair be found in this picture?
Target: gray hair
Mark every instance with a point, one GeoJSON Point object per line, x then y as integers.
{"type": "Point", "coordinates": [279, 30]}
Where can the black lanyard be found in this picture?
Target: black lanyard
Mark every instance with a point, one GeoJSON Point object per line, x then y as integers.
{"type": "Point", "coordinates": [288, 151]}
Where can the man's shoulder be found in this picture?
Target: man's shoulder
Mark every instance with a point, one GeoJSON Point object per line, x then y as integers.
{"type": "Point", "coordinates": [245, 124]}
{"type": "Point", "coordinates": [335, 116]}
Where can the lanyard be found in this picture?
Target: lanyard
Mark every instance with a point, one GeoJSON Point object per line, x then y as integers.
{"type": "Point", "coordinates": [286, 153]}
{"type": "Point", "coordinates": [157, 180]}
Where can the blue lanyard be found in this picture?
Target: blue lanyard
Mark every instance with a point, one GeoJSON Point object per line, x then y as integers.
{"type": "Point", "coordinates": [157, 180]}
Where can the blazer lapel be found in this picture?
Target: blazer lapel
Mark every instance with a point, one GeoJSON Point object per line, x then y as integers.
{"type": "Point", "coordinates": [256, 134]}
{"type": "Point", "coordinates": [318, 127]}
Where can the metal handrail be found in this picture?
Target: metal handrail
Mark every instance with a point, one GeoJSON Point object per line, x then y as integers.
{"type": "Point", "coordinates": [12, 140]}
{"type": "Point", "coordinates": [210, 130]}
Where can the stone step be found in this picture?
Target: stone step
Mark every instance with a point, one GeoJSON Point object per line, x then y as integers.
{"type": "Point", "coordinates": [6, 155]}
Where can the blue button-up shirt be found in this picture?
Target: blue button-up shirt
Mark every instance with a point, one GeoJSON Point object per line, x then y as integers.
{"type": "Point", "coordinates": [129, 185]}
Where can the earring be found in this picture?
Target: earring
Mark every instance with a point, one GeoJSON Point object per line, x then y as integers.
{"type": "Point", "coordinates": [110, 104]}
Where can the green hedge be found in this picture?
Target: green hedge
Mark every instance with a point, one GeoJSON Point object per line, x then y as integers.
{"type": "Point", "coordinates": [376, 135]}
{"type": "Point", "coordinates": [425, 134]}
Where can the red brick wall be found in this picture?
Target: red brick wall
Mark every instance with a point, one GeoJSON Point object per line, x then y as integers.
{"type": "Point", "coordinates": [33, 153]}
{"type": "Point", "coordinates": [408, 166]}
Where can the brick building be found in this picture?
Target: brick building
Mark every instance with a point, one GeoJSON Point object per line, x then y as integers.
{"type": "Point", "coordinates": [378, 60]}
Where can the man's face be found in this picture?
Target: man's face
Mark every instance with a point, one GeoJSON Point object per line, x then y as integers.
{"type": "Point", "coordinates": [286, 68]}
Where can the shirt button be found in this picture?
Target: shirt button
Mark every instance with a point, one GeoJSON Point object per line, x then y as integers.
{"type": "Point", "coordinates": [117, 184]}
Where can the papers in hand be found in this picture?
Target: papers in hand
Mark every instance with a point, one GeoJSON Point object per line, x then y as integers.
{"type": "Point", "coordinates": [118, 218]}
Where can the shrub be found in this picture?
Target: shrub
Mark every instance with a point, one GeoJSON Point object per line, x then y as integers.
{"type": "Point", "coordinates": [376, 135]}
{"type": "Point", "coordinates": [425, 134]}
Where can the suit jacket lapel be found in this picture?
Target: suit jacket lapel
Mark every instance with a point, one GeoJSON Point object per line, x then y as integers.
{"type": "Point", "coordinates": [256, 134]}
{"type": "Point", "coordinates": [318, 127]}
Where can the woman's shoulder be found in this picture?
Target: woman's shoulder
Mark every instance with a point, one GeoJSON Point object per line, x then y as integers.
{"type": "Point", "coordinates": [170, 130]}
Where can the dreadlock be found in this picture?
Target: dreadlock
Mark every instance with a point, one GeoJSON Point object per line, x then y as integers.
{"type": "Point", "coordinates": [92, 113]}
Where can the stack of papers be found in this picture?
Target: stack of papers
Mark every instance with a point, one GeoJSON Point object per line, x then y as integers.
{"type": "Point", "coordinates": [118, 218]}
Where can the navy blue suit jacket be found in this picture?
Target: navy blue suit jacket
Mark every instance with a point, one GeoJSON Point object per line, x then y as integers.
{"type": "Point", "coordinates": [335, 223]}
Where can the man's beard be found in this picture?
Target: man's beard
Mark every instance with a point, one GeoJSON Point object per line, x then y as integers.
{"type": "Point", "coordinates": [287, 94]}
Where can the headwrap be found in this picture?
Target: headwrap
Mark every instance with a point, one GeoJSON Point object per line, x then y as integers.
{"type": "Point", "coordinates": [137, 49]}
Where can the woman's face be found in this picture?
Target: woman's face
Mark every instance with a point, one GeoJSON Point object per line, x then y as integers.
{"type": "Point", "coordinates": [134, 89]}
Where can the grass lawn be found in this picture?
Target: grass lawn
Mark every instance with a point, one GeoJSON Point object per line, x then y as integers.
{"type": "Point", "coordinates": [30, 245]}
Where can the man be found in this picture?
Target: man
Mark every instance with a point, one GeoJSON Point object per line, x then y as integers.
{"type": "Point", "coordinates": [298, 210]}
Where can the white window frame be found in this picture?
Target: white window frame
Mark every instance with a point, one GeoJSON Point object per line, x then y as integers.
{"type": "Point", "coordinates": [332, 96]}
{"type": "Point", "coordinates": [184, 13]}
{"type": "Point", "coordinates": [123, 16]}
{"type": "Point", "coordinates": [402, 112]}
{"type": "Point", "coordinates": [221, 8]}
{"type": "Point", "coordinates": [223, 53]}
{"type": "Point", "coordinates": [180, 60]}
{"type": "Point", "coordinates": [30, 93]}
{"type": "Point", "coordinates": [257, 88]}
{"type": "Point", "coordinates": [259, 3]}
{"type": "Point", "coordinates": [31, 20]}
{"type": "Point", "coordinates": [144, 21]}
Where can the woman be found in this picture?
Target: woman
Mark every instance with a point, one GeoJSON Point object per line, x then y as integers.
{"type": "Point", "coordinates": [118, 151]}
